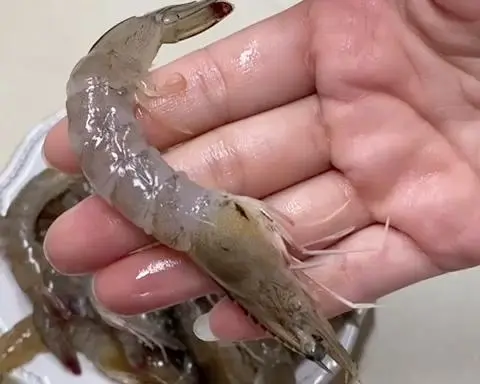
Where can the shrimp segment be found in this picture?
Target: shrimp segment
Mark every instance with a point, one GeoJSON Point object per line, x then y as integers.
{"type": "Point", "coordinates": [232, 238]}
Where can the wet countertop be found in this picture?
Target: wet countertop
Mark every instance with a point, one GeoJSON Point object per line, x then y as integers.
{"type": "Point", "coordinates": [427, 333]}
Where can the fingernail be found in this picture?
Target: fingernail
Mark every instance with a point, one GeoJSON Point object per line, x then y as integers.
{"type": "Point", "coordinates": [52, 265]}
{"type": "Point", "coordinates": [92, 292]}
{"type": "Point", "coordinates": [175, 79]}
{"type": "Point", "coordinates": [45, 253]}
{"type": "Point", "coordinates": [47, 257]}
{"type": "Point", "coordinates": [201, 328]}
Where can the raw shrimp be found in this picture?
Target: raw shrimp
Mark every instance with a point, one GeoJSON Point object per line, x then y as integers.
{"type": "Point", "coordinates": [176, 367]}
{"type": "Point", "coordinates": [117, 353]}
{"type": "Point", "coordinates": [28, 264]}
{"type": "Point", "coordinates": [219, 364]}
{"type": "Point", "coordinates": [151, 327]}
{"type": "Point", "coordinates": [106, 349]}
{"type": "Point", "coordinates": [242, 244]}
{"type": "Point", "coordinates": [244, 363]}
{"type": "Point", "coordinates": [39, 203]}
{"type": "Point", "coordinates": [111, 353]}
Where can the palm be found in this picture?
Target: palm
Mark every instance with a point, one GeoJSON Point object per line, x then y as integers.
{"type": "Point", "coordinates": [401, 113]}
{"type": "Point", "coordinates": [375, 104]}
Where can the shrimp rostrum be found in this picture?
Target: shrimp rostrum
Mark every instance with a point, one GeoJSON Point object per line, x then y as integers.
{"type": "Point", "coordinates": [242, 244]}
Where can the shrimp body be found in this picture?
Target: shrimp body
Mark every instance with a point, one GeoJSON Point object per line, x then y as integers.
{"type": "Point", "coordinates": [232, 238]}
{"type": "Point", "coordinates": [111, 352]}
{"type": "Point", "coordinates": [24, 253]}
{"type": "Point", "coordinates": [114, 155]}
{"type": "Point", "coordinates": [65, 319]}
{"type": "Point", "coordinates": [30, 267]}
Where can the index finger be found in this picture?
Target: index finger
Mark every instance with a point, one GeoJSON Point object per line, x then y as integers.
{"type": "Point", "coordinates": [254, 70]}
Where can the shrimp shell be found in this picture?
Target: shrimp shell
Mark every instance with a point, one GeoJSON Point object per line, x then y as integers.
{"type": "Point", "coordinates": [236, 240]}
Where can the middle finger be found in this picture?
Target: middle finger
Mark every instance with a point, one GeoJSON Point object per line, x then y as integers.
{"type": "Point", "coordinates": [256, 157]}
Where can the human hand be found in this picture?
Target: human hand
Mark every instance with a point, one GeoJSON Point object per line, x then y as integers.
{"type": "Point", "coordinates": [329, 101]}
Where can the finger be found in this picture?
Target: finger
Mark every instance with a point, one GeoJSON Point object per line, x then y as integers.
{"type": "Point", "coordinates": [211, 326]}
{"type": "Point", "coordinates": [99, 232]}
{"type": "Point", "coordinates": [153, 279]}
{"type": "Point", "coordinates": [358, 277]}
{"type": "Point", "coordinates": [312, 199]}
{"type": "Point", "coordinates": [232, 79]}
{"type": "Point", "coordinates": [260, 155]}
{"type": "Point", "coordinates": [246, 157]}
{"type": "Point", "coordinates": [313, 205]}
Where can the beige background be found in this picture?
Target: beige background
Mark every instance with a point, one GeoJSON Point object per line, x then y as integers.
{"type": "Point", "coordinates": [429, 333]}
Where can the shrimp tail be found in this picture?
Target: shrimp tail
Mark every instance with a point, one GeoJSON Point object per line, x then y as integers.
{"type": "Point", "coordinates": [19, 346]}
{"type": "Point", "coordinates": [50, 319]}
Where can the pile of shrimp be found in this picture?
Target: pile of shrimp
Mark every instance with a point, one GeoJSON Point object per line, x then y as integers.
{"type": "Point", "coordinates": [224, 234]}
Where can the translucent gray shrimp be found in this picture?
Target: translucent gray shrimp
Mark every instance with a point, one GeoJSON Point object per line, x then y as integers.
{"type": "Point", "coordinates": [221, 364]}
{"type": "Point", "coordinates": [28, 265]}
{"type": "Point", "coordinates": [151, 328]}
{"type": "Point", "coordinates": [242, 244]}
{"type": "Point", "coordinates": [250, 362]}
{"type": "Point", "coordinates": [118, 354]}
{"type": "Point", "coordinates": [123, 358]}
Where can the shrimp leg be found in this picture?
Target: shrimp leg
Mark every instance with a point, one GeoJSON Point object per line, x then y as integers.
{"type": "Point", "coordinates": [295, 250]}
{"type": "Point", "coordinates": [301, 251]}
{"type": "Point", "coordinates": [316, 263]}
{"type": "Point", "coordinates": [298, 265]}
